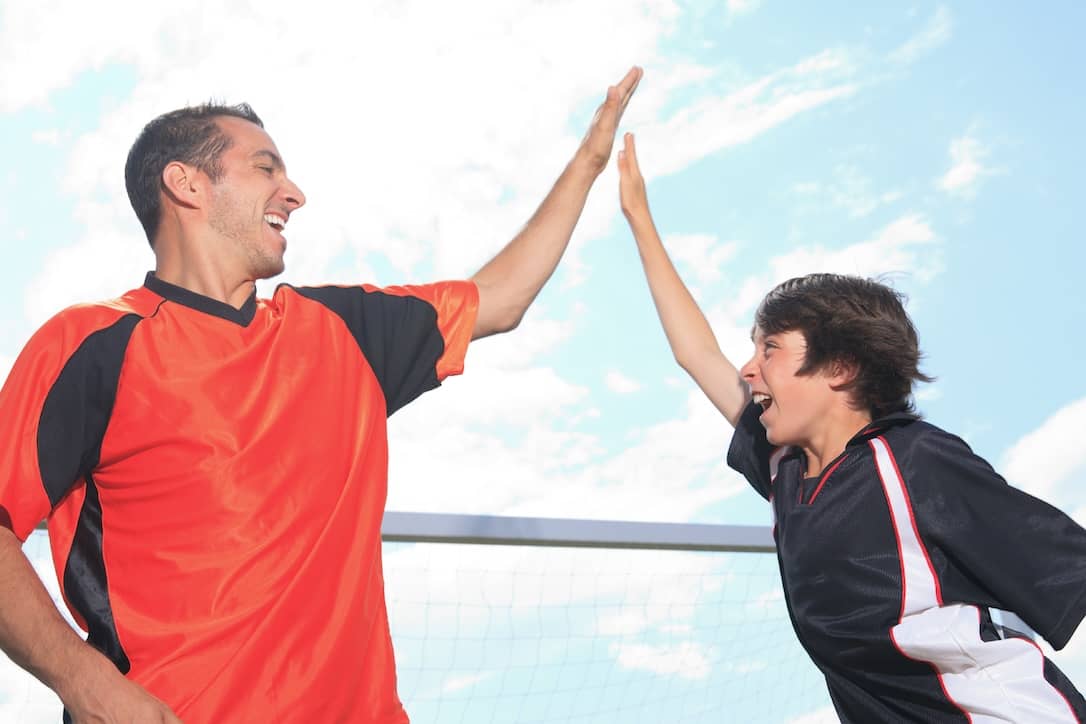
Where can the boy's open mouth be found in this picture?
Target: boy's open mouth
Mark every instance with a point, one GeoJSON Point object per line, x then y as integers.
{"type": "Point", "coordinates": [761, 399]}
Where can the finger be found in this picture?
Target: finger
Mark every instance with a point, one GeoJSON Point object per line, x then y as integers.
{"type": "Point", "coordinates": [630, 151]}
{"type": "Point", "coordinates": [628, 85]}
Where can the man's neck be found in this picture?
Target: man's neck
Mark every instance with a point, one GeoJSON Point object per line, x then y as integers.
{"type": "Point", "coordinates": [191, 266]}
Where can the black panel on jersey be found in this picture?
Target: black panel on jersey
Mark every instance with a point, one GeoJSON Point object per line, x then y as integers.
{"type": "Point", "coordinates": [200, 303]}
{"type": "Point", "coordinates": [85, 581]}
{"type": "Point", "coordinates": [398, 335]}
{"type": "Point", "coordinates": [78, 407]}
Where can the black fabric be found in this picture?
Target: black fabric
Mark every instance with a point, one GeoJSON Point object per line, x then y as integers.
{"type": "Point", "coordinates": [85, 581]}
{"type": "Point", "coordinates": [398, 335]}
{"type": "Point", "coordinates": [749, 451]}
{"type": "Point", "coordinates": [993, 543]}
{"type": "Point", "coordinates": [200, 303]}
{"type": "Point", "coordinates": [990, 545]}
{"type": "Point", "coordinates": [77, 409]}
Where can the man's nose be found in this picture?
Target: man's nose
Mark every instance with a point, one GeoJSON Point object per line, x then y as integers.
{"type": "Point", "coordinates": [294, 194]}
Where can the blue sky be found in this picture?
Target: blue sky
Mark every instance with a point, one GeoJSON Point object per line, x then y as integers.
{"type": "Point", "coordinates": [936, 143]}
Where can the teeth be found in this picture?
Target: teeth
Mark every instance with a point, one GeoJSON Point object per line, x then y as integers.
{"type": "Point", "coordinates": [760, 398]}
{"type": "Point", "coordinates": [275, 220]}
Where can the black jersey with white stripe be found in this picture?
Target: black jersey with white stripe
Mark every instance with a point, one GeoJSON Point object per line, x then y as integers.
{"type": "Point", "coordinates": [913, 574]}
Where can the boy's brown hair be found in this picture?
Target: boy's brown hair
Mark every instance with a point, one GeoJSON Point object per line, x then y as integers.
{"type": "Point", "coordinates": [852, 321]}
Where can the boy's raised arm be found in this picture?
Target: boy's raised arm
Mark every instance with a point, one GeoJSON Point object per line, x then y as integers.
{"type": "Point", "coordinates": [688, 332]}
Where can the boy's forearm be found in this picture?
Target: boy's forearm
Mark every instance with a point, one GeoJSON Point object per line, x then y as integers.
{"type": "Point", "coordinates": [688, 332]}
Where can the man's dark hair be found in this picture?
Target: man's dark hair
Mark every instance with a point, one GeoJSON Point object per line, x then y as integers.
{"type": "Point", "coordinates": [189, 135]}
{"type": "Point", "coordinates": [852, 321]}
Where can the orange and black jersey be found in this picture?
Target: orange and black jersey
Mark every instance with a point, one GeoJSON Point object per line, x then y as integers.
{"type": "Point", "coordinates": [908, 569]}
{"type": "Point", "coordinates": [214, 480]}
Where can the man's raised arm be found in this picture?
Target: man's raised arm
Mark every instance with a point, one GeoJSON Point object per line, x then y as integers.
{"type": "Point", "coordinates": [511, 280]}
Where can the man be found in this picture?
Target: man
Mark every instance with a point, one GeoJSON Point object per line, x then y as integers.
{"type": "Point", "coordinates": [213, 465]}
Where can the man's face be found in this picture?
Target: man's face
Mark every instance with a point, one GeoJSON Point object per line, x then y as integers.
{"type": "Point", "coordinates": [793, 407]}
{"type": "Point", "coordinates": [253, 198]}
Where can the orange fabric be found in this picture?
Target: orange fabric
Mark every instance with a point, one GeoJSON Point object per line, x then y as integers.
{"type": "Point", "coordinates": [242, 482]}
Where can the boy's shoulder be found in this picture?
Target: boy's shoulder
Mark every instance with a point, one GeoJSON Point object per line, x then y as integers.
{"type": "Point", "coordinates": [910, 438]}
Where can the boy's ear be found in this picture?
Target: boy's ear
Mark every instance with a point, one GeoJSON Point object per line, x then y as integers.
{"type": "Point", "coordinates": [842, 373]}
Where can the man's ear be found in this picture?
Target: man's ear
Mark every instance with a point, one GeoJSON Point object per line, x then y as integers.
{"type": "Point", "coordinates": [183, 184]}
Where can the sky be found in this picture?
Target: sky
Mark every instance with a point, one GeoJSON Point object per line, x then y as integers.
{"type": "Point", "coordinates": [937, 144]}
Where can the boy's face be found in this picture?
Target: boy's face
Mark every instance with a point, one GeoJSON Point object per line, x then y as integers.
{"type": "Point", "coordinates": [794, 407]}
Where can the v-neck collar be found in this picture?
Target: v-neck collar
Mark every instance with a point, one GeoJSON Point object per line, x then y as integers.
{"type": "Point", "coordinates": [200, 303]}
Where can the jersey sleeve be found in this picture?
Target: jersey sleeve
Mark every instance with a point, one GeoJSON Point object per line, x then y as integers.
{"type": "Point", "coordinates": [54, 408]}
{"type": "Point", "coordinates": [750, 451]}
{"type": "Point", "coordinates": [1028, 554]}
{"type": "Point", "coordinates": [413, 337]}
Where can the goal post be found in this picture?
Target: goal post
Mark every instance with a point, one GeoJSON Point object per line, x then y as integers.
{"type": "Point", "coordinates": [525, 620]}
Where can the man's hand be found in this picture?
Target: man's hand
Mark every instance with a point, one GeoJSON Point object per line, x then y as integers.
{"type": "Point", "coordinates": [511, 280]}
{"type": "Point", "coordinates": [102, 695]}
{"type": "Point", "coordinates": [631, 184]}
{"type": "Point", "coordinates": [595, 149]}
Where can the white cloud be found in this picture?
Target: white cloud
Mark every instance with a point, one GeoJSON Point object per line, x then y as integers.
{"type": "Point", "coordinates": [928, 393]}
{"type": "Point", "coordinates": [689, 660]}
{"type": "Point", "coordinates": [620, 383]}
{"type": "Point", "coordinates": [47, 136]}
{"type": "Point", "coordinates": [456, 683]}
{"type": "Point", "coordinates": [825, 715]}
{"type": "Point", "coordinates": [937, 32]}
{"type": "Point", "coordinates": [851, 190]}
{"type": "Point", "coordinates": [742, 7]}
{"type": "Point", "coordinates": [907, 245]}
{"type": "Point", "coordinates": [967, 155]}
{"type": "Point", "coordinates": [717, 122]}
{"type": "Point", "coordinates": [6, 362]}
{"type": "Point", "coordinates": [1044, 461]}
{"type": "Point", "coordinates": [701, 256]}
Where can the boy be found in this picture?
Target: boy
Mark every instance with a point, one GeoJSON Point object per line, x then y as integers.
{"type": "Point", "coordinates": [912, 572]}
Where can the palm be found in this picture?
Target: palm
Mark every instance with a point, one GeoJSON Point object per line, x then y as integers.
{"type": "Point", "coordinates": [600, 138]}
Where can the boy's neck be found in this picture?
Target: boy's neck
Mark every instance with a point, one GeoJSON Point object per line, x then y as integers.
{"type": "Point", "coordinates": [832, 437]}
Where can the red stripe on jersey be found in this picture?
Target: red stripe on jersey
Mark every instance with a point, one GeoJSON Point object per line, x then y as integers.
{"type": "Point", "coordinates": [825, 477]}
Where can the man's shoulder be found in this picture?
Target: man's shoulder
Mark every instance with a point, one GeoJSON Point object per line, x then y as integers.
{"type": "Point", "coordinates": [85, 318]}
{"type": "Point", "coordinates": [140, 302]}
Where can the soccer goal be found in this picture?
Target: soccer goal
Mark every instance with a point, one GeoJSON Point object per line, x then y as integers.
{"type": "Point", "coordinates": [537, 620]}
{"type": "Point", "coordinates": [526, 620]}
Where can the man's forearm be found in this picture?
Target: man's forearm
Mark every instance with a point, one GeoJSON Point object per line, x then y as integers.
{"type": "Point", "coordinates": [510, 281]}
{"type": "Point", "coordinates": [32, 632]}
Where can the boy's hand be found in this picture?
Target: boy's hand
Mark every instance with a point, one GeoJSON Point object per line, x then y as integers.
{"type": "Point", "coordinates": [631, 185]}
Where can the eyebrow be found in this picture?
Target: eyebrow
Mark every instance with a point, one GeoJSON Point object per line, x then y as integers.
{"type": "Point", "coordinates": [272, 156]}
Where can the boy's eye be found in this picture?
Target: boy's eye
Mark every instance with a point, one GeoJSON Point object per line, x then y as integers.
{"type": "Point", "coordinates": [266, 169]}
